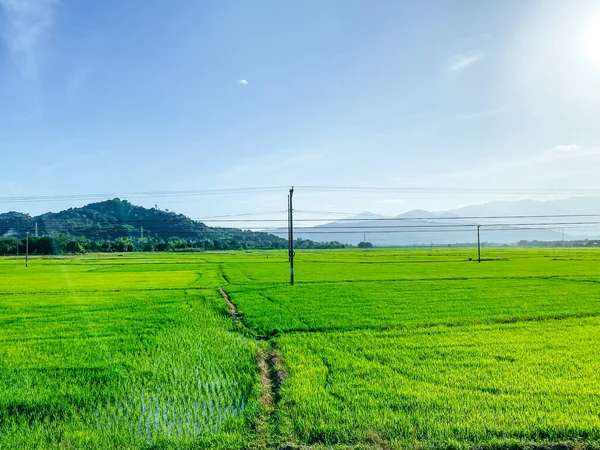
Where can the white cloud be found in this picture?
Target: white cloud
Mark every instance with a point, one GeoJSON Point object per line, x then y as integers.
{"type": "Point", "coordinates": [25, 25]}
{"type": "Point", "coordinates": [557, 156]}
{"type": "Point", "coordinates": [559, 167]}
{"type": "Point", "coordinates": [243, 82]}
{"type": "Point", "coordinates": [568, 148]}
{"type": "Point", "coordinates": [463, 61]}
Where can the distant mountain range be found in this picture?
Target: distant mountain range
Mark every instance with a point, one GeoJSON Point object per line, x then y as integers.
{"type": "Point", "coordinates": [575, 205]}
{"type": "Point", "coordinates": [500, 223]}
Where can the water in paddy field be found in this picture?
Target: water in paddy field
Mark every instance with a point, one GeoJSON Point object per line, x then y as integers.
{"type": "Point", "coordinates": [188, 406]}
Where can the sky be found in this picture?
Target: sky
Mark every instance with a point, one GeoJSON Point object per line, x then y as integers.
{"type": "Point", "coordinates": [144, 96]}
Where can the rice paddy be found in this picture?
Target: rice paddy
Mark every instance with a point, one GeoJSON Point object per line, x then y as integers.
{"type": "Point", "coordinates": [96, 358]}
{"type": "Point", "coordinates": [381, 349]}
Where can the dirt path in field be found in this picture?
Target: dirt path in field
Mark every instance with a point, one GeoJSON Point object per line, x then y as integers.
{"type": "Point", "coordinates": [272, 374]}
{"type": "Point", "coordinates": [230, 306]}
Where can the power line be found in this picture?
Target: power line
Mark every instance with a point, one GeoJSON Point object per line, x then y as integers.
{"type": "Point", "coordinates": [423, 229]}
{"type": "Point", "coordinates": [420, 231]}
{"type": "Point", "coordinates": [384, 219]}
{"type": "Point", "coordinates": [446, 190]}
{"type": "Point", "coordinates": [545, 216]}
{"type": "Point", "coordinates": [227, 216]}
{"type": "Point", "coordinates": [443, 226]}
{"type": "Point", "coordinates": [55, 198]}
{"type": "Point", "coordinates": [308, 188]}
{"type": "Point", "coordinates": [318, 230]}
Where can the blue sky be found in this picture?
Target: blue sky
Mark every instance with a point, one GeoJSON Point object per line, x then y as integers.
{"type": "Point", "coordinates": [114, 97]}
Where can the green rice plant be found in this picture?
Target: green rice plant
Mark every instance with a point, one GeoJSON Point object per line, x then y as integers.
{"type": "Point", "coordinates": [417, 303]}
{"type": "Point", "coordinates": [96, 359]}
{"type": "Point", "coordinates": [486, 386]}
{"type": "Point", "coordinates": [403, 348]}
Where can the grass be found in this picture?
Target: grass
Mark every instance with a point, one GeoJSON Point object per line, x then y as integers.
{"type": "Point", "coordinates": [409, 304]}
{"type": "Point", "coordinates": [467, 387]}
{"type": "Point", "coordinates": [420, 349]}
{"type": "Point", "coordinates": [120, 367]}
{"type": "Point", "coordinates": [393, 349]}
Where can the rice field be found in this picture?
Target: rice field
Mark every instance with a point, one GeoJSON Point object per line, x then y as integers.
{"type": "Point", "coordinates": [518, 385]}
{"type": "Point", "coordinates": [380, 349]}
{"type": "Point", "coordinates": [99, 358]}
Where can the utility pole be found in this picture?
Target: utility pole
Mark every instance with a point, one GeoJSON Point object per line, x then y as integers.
{"type": "Point", "coordinates": [478, 245]}
{"type": "Point", "coordinates": [141, 232]}
{"type": "Point", "coordinates": [36, 230]}
{"type": "Point", "coordinates": [27, 249]}
{"type": "Point", "coordinates": [291, 233]}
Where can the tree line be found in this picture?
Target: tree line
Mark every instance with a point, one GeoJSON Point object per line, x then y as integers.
{"type": "Point", "coordinates": [59, 244]}
{"type": "Point", "coordinates": [577, 243]}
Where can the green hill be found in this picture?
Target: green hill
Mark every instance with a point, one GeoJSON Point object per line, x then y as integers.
{"type": "Point", "coordinates": [140, 228]}
{"type": "Point", "coordinates": [119, 218]}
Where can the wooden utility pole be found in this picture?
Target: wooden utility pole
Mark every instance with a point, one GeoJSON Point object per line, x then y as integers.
{"type": "Point", "coordinates": [478, 245]}
{"type": "Point", "coordinates": [27, 249]}
{"type": "Point", "coordinates": [291, 234]}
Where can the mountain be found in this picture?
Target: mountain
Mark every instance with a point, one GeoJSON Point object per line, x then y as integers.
{"type": "Point", "coordinates": [575, 205]}
{"type": "Point", "coordinates": [112, 219]}
{"type": "Point", "coordinates": [399, 232]}
{"type": "Point", "coordinates": [416, 214]}
{"type": "Point", "coordinates": [365, 215]}
{"type": "Point", "coordinates": [11, 223]}
{"type": "Point", "coordinates": [420, 227]}
{"type": "Point", "coordinates": [570, 209]}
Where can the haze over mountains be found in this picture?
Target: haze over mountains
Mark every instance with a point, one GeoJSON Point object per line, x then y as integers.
{"type": "Point", "coordinates": [499, 220]}
{"type": "Point", "coordinates": [501, 223]}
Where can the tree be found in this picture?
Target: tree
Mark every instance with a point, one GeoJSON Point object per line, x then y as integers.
{"type": "Point", "coordinates": [123, 245]}
{"type": "Point", "coordinates": [43, 245]}
{"type": "Point", "coordinates": [74, 247]}
{"type": "Point", "coordinates": [8, 246]}
{"type": "Point", "coordinates": [365, 245]}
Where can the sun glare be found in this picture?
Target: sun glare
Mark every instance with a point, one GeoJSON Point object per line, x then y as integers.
{"type": "Point", "coordinates": [591, 41]}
